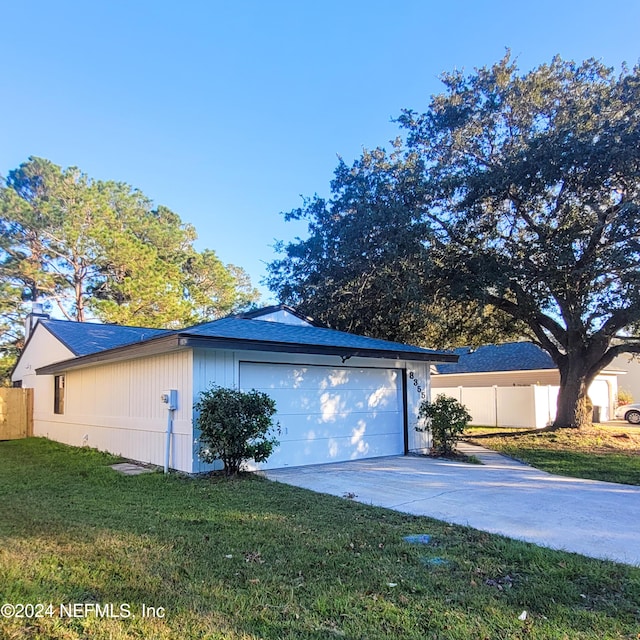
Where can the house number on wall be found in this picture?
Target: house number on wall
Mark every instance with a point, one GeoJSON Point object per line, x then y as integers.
{"type": "Point", "coordinates": [418, 387]}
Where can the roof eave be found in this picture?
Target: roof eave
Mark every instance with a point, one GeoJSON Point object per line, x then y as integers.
{"type": "Point", "coordinates": [182, 340]}
{"type": "Point", "coordinates": [28, 341]}
{"type": "Point", "coordinates": [485, 373]}
{"type": "Point", "coordinates": [313, 349]}
{"type": "Point", "coordinates": [149, 347]}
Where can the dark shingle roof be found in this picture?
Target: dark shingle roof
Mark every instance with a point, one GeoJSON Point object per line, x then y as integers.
{"type": "Point", "coordinates": [93, 343]}
{"type": "Point", "coordinates": [512, 356]}
{"type": "Point", "coordinates": [84, 338]}
{"type": "Point", "coordinates": [245, 329]}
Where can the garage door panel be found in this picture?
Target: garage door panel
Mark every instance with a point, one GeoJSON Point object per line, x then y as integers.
{"type": "Point", "coordinates": [313, 427]}
{"type": "Point", "coordinates": [336, 449]}
{"type": "Point", "coordinates": [314, 378]}
{"type": "Point", "coordinates": [328, 414]}
{"type": "Point", "coordinates": [310, 401]}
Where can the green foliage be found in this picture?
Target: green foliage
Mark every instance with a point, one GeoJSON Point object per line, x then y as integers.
{"type": "Point", "coordinates": [511, 211]}
{"type": "Point", "coordinates": [236, 426]}
{"type": "Point", "coordinates": [11, 330]}
{"type": "Point", "coordinates": [260, 559]}
{"type": "Point", "coordinates": [624, 397]}
{"type": "Point", "coordinates": [215, 289]}
{"type": "Point", "coordinates": [95, 249]}
{"type": "Point", "coordinates": [534, 187]}
{"type": "Point", "coordinates": [365, 266]}
{"type": "Point", "coordinates": [446, 421]}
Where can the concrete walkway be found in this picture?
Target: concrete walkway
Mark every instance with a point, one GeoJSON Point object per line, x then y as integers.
{"type": "Point", "coordinates": [597, 519]}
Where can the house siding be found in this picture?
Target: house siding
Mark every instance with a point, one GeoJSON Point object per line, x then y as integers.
{"type": "Point", "coordinates": [497, 378]}
{"type": "Point", "coordinates": [418, 389]}
{"type": "Point", "coordinates": [630, 380]}
{"type": "Point", "coordinates": [43, 349]}
{"type": "Point", "coordinates": [117, 408]}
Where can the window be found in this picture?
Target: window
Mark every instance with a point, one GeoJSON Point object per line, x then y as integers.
{"type": "Point", "coordinates": [58, 394]}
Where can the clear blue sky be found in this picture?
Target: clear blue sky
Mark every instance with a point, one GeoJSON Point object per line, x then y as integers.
{"type": "Point", "coordinates": [228, 112]}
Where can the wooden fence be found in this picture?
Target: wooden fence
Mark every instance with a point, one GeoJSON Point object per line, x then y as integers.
{"type": "Point", "coordinates": [16, 413]}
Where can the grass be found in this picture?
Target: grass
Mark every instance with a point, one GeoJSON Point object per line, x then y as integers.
{"type": "Point", "coordinates": [253, 559]}
{"type": "Point", "coordinates": [602, 452]}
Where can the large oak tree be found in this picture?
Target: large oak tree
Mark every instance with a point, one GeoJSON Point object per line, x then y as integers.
{"type": "Point", "coordinates": [523, 203]}
{"type": "Point", "coordinates": [534, 187]}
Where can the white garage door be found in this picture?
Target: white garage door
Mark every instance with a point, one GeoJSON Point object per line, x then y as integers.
{"type": "Point", "coordinates": [330, 414]}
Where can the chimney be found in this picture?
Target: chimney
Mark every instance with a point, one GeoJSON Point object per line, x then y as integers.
{"type": "Point", "coordinates": [37, 313]}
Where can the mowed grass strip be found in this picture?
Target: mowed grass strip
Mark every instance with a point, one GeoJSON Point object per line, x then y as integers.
{"type": "Point", "coordinates": [607, 453]}
{"type": "Point", "coordinates": [254, 559]}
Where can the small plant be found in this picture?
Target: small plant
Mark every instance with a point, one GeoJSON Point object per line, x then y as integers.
{"type": "Point", "coordinates": [624, 397]}
{"type": "Point", "coordinates": [236, 426]}
{"type": "Point", "coordinates": [446, 420]}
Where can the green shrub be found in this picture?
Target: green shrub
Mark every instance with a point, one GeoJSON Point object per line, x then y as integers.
{"type": "Point", "coordinates": [236, 426]}
{"type": "Point", "coordinates": [624, 397]}
{"type": "Point", "coordinates": [446, 420]}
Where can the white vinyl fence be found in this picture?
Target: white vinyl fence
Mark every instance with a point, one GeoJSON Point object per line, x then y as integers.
{"type": "Point", "coordinates": [532, 406]}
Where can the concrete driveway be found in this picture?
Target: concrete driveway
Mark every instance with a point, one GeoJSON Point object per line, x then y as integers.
{"type": "Point", "coordinates": [597, 519]}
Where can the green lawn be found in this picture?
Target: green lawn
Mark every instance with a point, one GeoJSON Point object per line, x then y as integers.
{"type": "Point", "coordinates": [254, 559]}
{"type": "Point", "coordinates": [602, 452]}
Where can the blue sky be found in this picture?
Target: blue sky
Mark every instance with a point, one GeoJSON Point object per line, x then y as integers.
{"type": "Point", "coordinates": [228, 112]}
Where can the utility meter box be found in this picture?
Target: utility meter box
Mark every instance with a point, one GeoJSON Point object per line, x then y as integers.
{"type": "Point", "coordinates": [170, 397]}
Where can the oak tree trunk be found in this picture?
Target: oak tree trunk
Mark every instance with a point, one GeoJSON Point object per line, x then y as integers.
{"type": "Point", "coordinates": [574, 409]}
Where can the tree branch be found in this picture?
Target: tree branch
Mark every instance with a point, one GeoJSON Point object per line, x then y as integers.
{"type": "Point", "coordinates": [612, 353]}
{"type": "Point", "coordinates": [597, 233]}
{"type": "Point", "coordinates": [538, 323]}
{"type": "Point", "coordinates": [619, 320]}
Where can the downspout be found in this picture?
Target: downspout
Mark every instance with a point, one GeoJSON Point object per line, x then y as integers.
{"type": "Point", "coordinates": [170, 398]}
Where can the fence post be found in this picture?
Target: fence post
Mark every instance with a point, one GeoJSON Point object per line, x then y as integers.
{"type": "Point", "coordinates": [29, 400]}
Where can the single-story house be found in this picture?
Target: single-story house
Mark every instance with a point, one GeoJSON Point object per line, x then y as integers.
{"type": "Point", "coordinates": [515, 384]}
{"type": "Point", "coordinates": [121, 389]}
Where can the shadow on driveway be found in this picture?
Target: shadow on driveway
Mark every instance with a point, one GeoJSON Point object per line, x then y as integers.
{"type": "Point", "coordinates": [596, 519]}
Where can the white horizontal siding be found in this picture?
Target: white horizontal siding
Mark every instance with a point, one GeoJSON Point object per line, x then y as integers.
{"type": "Point", "coordinates": [497, 378]}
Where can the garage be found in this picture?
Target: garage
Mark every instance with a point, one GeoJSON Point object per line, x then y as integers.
{"type": "Point", "coordinates": [330, 414]}
{"type": "Point", "coordinates": [599, 394]}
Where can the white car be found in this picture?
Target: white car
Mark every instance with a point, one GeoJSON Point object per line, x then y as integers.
{"type": "Point", "coordinates": [629, 412]}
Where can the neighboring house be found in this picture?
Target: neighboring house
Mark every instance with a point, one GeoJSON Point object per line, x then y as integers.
{"type": "Point", "coordinates": [631, 380]}
{"type": "Point", "coordinates": [515, 384]}
{"type": "Point", "coordinates": [338, 396]}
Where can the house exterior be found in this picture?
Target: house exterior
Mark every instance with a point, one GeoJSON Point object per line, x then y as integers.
{"type": "Point", "coordinates": [338, 396]}
{"type": "Point", "coordinates": [515, 385]}
{"type": "Point", "coordinates": [631, 380]}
